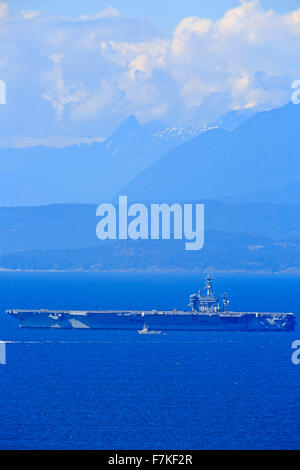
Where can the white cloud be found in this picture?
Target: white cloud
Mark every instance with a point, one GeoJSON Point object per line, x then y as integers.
{"type": "Point", "coordinates": [187, 29]}
{"type": "Point", "coordinates": [61, 94]}
{"type": "Point", "coordinates": [104, 67]}
{"type": "Point", "coordinates": [206, 58]}
{"type": "Point", "coordinates": [293, 20]}
{"type": "Point", "coordinates": [30, 14]}
{"type": "Point", "coordinates": [240, 18]}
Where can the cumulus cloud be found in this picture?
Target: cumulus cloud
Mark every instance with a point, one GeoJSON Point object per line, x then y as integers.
{"type": "Point", "coordinates": [60, 94]}
{"type": "Point", "coordinates": [209, 59]}
{"type": "Point", "coordinates": [188, 29]}
{"type": "Point", "coordinates": [97, 70]}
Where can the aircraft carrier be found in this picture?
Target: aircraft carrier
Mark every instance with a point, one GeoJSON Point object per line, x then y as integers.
{"type": "Point", "coordinates": [206, 313]}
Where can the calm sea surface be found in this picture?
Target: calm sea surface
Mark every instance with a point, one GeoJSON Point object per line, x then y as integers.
{"type": "Point", "coordinates": [89, 389]}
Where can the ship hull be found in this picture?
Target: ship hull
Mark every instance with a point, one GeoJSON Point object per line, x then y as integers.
{"type": "Point", "coordinates": [231, 321]}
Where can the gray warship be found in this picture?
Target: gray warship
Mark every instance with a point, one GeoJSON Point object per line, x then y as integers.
{"type": "Point", "coordinates": [206, 313]}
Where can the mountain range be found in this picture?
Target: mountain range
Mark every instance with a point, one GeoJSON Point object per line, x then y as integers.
{"type": "Point", "coordinates": [84, 173]}
{"type": "Point", "coordinates": [91, 173]}
{"type": "Point", "coordinates": [238, 237]}
{"type": "Point", "coordinates": [222, 252]}
{"type": "Point", "coordinates": [257, 161]}
{"type": "Point", "coordinates": [73, 226]}
{"type": "Point", "coordinates": [247, 175]}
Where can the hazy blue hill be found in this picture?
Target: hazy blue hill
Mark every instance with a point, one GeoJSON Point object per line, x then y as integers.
{"type": "Point", "coordinates": [142, 144]}
{"type": "Point", "coordinates": [47, 227]}
{"type": "Point", "coordinates": [261, 154]}
{"type": "Point", "coordinates": [286, 194]}
{"type": "Point", "coordinates": [40, 175]}
{"type": "Point", "coordinates": [257, 161]}
{"type": "Point", "coordinates": [274, 221]}
{"type": "Point", "coordinates": [61, 227]}
{"type": "Point", "coordinates": [132, 133]}
{"type": "Point", "coordinates": [222, 252]}
{"type": "Point", "coordinates": [88, 173]}
{"type": "Point", "coordinates": [82, 173]}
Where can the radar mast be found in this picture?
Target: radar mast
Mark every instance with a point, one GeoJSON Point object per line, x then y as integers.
{"type": "Point", "coordinates": [208, 285]}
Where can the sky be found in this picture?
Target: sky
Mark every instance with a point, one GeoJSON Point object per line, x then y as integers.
{"type": "Point", "coordinates": [164, 14]}
{"type": "Point", "coordinates": [74, 70]}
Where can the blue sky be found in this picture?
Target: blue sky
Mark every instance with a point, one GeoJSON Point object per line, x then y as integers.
{"type": "Point", "coordinates": [75, 70]}
{"type": "Point", "coordinates": [164, 14]}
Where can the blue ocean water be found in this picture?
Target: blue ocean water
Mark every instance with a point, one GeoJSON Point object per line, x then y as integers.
{"type": "Point", "coordinates": [84, 389]}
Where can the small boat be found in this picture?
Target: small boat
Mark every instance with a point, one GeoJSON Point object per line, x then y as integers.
{"type": "Point", "coordinates": [146, 331]}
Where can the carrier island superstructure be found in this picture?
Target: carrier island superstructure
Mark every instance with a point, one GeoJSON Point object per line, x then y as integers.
{"type": "Point", "coordinates": [205, 313]}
